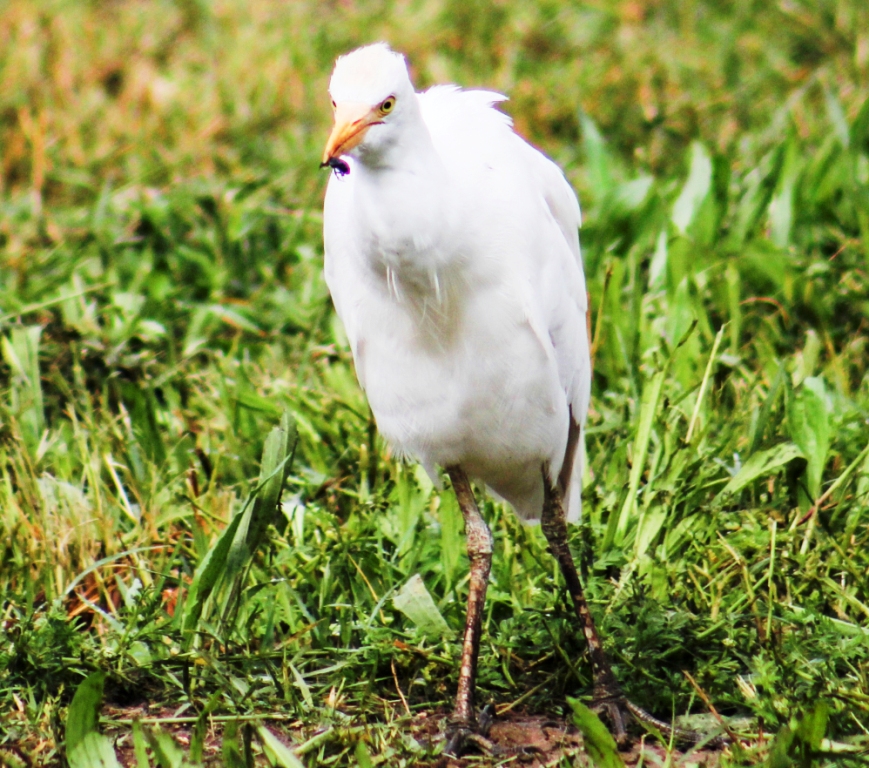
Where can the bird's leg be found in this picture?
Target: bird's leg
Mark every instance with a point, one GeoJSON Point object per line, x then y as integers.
{"type": "Point", "coordinates": [463, 725]}
{"type": "Point", "coordinates": [608, 696]}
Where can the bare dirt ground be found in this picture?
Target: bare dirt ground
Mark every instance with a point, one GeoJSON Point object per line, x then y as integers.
{"type": "Point", "coordinates": [539, 741]}
{"type": "Point", "coordinates": [529, 740]}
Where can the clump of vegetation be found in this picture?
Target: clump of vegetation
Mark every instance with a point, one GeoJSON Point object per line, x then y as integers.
{"type": "Point", "coordinates": [162, 307]}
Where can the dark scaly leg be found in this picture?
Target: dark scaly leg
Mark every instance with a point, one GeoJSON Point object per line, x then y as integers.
{"type": "Point", "coordinates": [463, 725]}
{"type": "Point", "coordinates": [608, 696]}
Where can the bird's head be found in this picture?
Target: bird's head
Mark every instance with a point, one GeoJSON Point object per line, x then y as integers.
{"type": "Point", "coordinates": [372, 96]}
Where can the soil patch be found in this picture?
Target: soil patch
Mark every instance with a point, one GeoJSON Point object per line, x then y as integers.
{"type": "Point", "coordinates": [532, 740]}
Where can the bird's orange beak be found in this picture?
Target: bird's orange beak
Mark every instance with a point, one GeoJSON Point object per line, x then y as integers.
{"type": "Point", "coordinates": [352, 120]}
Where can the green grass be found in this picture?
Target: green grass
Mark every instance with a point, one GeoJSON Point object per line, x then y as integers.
{"type": "Point", "coordinates": [162, 305]}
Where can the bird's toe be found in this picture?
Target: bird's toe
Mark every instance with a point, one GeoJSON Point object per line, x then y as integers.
{"type": "Point", "coordinates": [463, 735]}
{"type": "Point", "coordinates": [615, 710]}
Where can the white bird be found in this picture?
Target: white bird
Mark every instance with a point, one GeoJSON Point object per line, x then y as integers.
{"type": "Point", "coordinates": [453, 260]}
{"type": "Point", "coordinates": [452, 255]}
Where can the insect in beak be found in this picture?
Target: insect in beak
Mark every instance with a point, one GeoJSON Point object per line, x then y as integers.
{"type": "Point", "coordinates": [338, 165]}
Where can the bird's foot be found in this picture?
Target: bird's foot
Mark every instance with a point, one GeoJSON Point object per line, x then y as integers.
{"type": "Point", "coordinates": [619, 710]}
{"type": "Point", "coordinates": [679, 735]}
{"type": "Point", "coordinates": [613, 705]}
{"type": "Point", "coordinates": [462, 734]}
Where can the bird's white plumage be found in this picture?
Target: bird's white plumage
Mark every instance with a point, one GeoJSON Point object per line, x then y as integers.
{"type": "Point", "coordinates": [452, 256]}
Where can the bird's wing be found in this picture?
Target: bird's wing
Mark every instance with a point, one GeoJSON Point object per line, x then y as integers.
{"type": "Point", "coordinates": [562, 202]}
{"type": "Point", "coordinates": [563, 302]}
{"type": "Point", "coordinates": [529, 189]}
{"type": "Point", "coordinates": [564, 293]}
{"type": "Point", "coordinates": [534, 219]}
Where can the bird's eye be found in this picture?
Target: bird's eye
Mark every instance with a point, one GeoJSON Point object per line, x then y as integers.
{"type": "Point", "coordinates": [387, 105]}
{"type": "Point", "coordinates": [334, 104]}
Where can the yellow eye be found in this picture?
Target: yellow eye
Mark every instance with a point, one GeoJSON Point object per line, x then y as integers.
{"type": "Point", "coordinates": [387, 105]}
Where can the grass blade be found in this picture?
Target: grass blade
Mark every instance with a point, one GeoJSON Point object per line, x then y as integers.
{"type": "Point", "coordinates": [94, 751]}
{"type": "Point", "coordinates": [277, 752]}
{"type": "Point", "coordinates": [599, 744]}
{"type": "Point", "coordinates": [224, 563]}
{"type": "Point", "coordinates": [140, 746]}
{"type": "Point", "coordinates": [712, 355]}
{"type": "Point", "coordinates": [696, 188]}
{"type": "Point", "coordinates": [21, 353]}
{"type": "Point", "coordinates": [415, 602]}
{"type": "Point", "coordinates": [761, 464]}
{"type": "Point", "coordinates": [809, 423]}
{"type": "Point", "coordinates": [84, 710]}
{"type": "Point", "coordinates": [648, 409]}
{"type": "Point", "coordinates": [165, 750]}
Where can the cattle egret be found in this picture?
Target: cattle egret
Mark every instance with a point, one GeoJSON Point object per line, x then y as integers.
{"type": "Point", "coordinates": [452, 256]}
